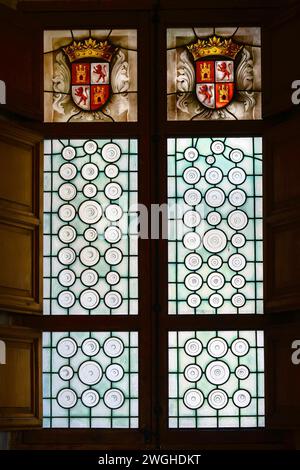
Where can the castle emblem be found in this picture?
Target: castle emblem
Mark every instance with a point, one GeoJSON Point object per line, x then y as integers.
{"type": "Point", "coordinates": [214, 62]}
{"type": "Point", "coordinates": [90, 71]}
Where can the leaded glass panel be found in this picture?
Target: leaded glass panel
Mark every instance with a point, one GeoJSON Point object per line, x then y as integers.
{"type": "Point", "coordinates": [216, 379]}
{"type": "Point", "coordinates": [90, 76]}
{"type": "Point", "coordinates": [90, 227]}
{"type": "Point", "coordinates": [90, 380]}
{"type": "Point", "coordinates": [214, 73]}
{"type": "Point", "coordinates": [215, 225]}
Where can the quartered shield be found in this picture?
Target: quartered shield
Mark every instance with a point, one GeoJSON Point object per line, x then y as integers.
{"type": "Point", "coordinates": [215, 82]}
{"type": "Point", "coordinates": [90, 84]}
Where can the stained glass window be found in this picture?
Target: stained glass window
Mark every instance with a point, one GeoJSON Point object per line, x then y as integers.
{"type": "Point", "coordinates": [214, 73]}
{"type": "Point", "coordinates": [215, 225]}
{"type": "Point", "coordinates": [216, 379]}
{"type": "Point", "coordinates": [90, 76]}
{"type": "Point", "coordinates": [90, 380]}
{"type": "Point", "coordinates": [90, 227]}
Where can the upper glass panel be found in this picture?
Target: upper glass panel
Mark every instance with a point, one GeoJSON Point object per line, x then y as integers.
{"type": "Point", "coordinates": [213, 73]}
{"type": "Point", "coordinates": [215, 226]}
{"type": "Point", "coordinates": [90, 76]}
{"type": "Point", "coordinates": [90, 227]}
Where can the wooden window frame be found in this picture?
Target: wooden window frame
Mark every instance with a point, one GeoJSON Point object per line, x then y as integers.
{"type": "Point", "coordinates": [153, 322]}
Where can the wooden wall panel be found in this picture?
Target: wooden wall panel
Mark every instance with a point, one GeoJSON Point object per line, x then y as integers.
{"type": "Point", "coordinates": [285, 172]}
{"type": "Point", "coordinates": [283, 280]}
{"type": "Point", "coordinates": [283, 68]}
{"type": "Point", "coordinates": [19, 165]}
{"type": "Point", "coordinates": [282, 166]}
{"type": "Point", "coordinates": [20, 176]}
{"type": "Point", "coordinates": [20, 379]}
{"type": "Point", "coordinates": [20, 64]}
{"type": "Point", "coordinates": [21, 220]}
{"type": "Point", "coordinates": [282, 216]}
{"type": "Point", "coordinates": [283, 385]}
{"type": "Point", "coordinates": [16, 258]}
{"type": "Point", "coordinates": [19, 274]}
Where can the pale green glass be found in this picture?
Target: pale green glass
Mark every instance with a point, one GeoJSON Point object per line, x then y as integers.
{"type": "Point", "coordinates": [77, 412]}
{"type": "Point", "coordinates": [225, 216]}
{"type": "Point", "coordinates": [228, 399]}
{"type": "Point", "coordinates": [114, 185]}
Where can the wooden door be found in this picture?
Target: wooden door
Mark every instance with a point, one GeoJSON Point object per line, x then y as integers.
{"type": "Point", "coordinates": [282, 230]}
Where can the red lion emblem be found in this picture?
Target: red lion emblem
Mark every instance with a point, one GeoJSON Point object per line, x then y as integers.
{"type": "Point", "coordinates": [101, 71]}
{"type": "Point", "coordinates": [206, 91]}
{"type": "Point", "coordinates": [82, 94]}
{"type": "Point", "coordinates": [226, 72]}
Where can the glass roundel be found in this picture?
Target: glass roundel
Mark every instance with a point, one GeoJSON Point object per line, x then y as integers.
{"type": "Point", "coordinates": [90, 229]}
{"type": "Point", "coordinates": [215, 225]}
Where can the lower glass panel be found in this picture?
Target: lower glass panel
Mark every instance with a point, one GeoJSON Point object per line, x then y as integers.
{"type": "Point", "coordinates": [216, 379]}
{"type": "Point", "coordinates": [90, 380]}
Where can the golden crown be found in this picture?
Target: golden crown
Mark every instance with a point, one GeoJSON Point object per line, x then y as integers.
{"type": "Point", "coordinates": [214, 46]}
{"type": "Point", "coordinates": [89, 48]}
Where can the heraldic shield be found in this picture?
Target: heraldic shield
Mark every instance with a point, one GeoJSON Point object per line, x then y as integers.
{"type": "Point", "coordinates": [214, 62]}
{"type": "Point", "coordinates": [90, 77]}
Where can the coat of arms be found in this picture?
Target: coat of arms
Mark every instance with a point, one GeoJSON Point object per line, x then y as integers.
{"type": "Point", "coordinates": [214, 62]}
{"type": "Point", "coordinates": [90, 72]}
